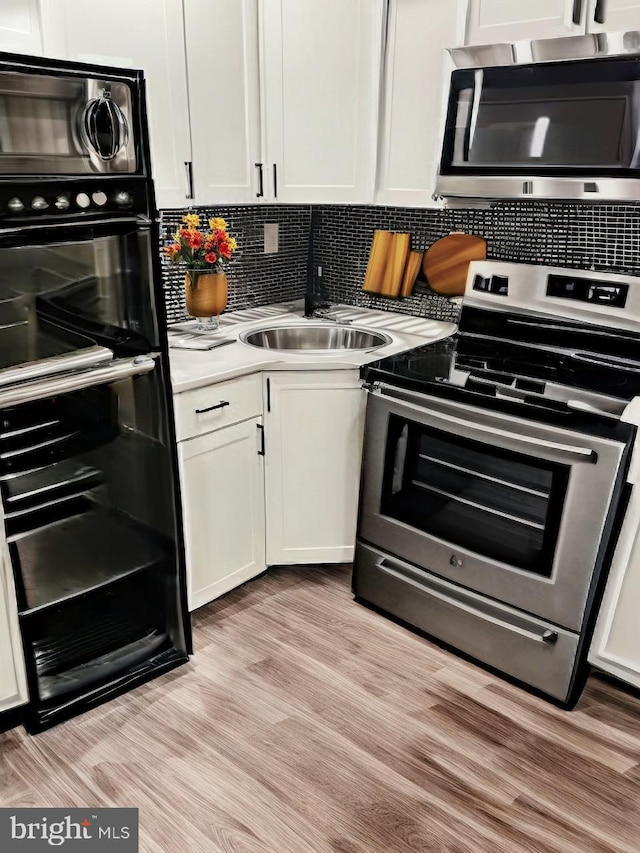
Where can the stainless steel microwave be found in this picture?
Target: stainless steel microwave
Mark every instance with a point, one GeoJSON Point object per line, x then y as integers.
{"type": "Point", "coordinates": [553, 119]}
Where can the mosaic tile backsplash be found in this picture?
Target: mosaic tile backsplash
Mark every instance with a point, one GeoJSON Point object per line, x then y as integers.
{"type": "Point", "coordinates": [601, 237]}
{"type": "Point", "coordinates": [254, 278]}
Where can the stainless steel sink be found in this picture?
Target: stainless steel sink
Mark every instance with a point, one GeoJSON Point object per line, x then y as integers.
{"type": "Point", "coordinates": [318, 337]}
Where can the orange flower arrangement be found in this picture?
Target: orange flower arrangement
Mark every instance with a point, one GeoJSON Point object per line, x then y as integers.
{"type": "Point", "coordinates": [198, 250]}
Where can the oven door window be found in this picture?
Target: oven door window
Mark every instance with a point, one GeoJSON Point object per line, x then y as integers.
{"type": "Point", "coordinates": [544, 120]}
{"type": "Point", "coordinates": [61, 295]}
{"type": "Point", "coordinates": [502, 505]}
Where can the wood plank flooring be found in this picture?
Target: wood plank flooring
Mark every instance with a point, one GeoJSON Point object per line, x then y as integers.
{"type": "Point", "coordinates": [308, 724]}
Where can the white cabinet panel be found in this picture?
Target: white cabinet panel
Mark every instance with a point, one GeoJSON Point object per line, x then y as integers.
{"type": "Point", "coordinates": [492, 21]}
{"type": "Point", "coordinates": [321, 66]}
{"type": "Point", "coordinates": [20, 27]}
{"type": "Point", "coordinates": [416, 78]}
{"type": "Point", "coordinates": [616, 641]}
{"type": "Point", "coordinates": [13, 684]}
{"type": "Point", "coordinates": [224, 96]}
{"type": "Point", "coordinates": [145, 34]}
{"type": "Point", "coordinates": [222, 483]}
{"type": "Point", "coordinates": [314, 433]}
{"type": "Point", "coordinates": [613, 15]}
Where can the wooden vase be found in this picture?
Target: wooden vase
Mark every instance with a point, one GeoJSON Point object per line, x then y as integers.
{"type": "Point", "coordinates": [206, 293]}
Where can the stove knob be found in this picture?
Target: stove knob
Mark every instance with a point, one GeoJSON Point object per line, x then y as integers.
{"type": "Point", "coordinates": [62, 202]}
{"type": "Point", "coordinates": [83, 200]}
{"type": "Point", "coordinates": [38, 203]}
{"type": "Point", "coordinates": [123, 199]}
{"type": "Point", "coordinates": [15, 205]}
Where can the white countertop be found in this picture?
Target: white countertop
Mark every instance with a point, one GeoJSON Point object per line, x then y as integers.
{"type": "Point", "coordinates": [194, 369]}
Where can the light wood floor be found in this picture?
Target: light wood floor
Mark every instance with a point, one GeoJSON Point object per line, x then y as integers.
{"type": "Point", "coordinates": [307, 723]}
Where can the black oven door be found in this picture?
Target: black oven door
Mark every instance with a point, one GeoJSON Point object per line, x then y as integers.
{"type": "Point", "coordinates": [509, 508]}
{"type": "Point", "coordinates": [69, 288]}
{"type": "Point", "coordinates": [87, 479]}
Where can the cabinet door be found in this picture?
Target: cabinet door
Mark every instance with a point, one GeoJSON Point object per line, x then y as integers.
{"type": "Point", "coordinates": [222, 480]}
{"type": "Point", "coordinates": [416, 69]}
{"type": "Point", "coordinates": [493, 21]}
{"type": "Point", "coordinates": [314, 432]}
{"type": "Point", "coordinates": [145, 34]}
{"type": "Point", "coordinates": [321, 67]}
{"type": "Point", "coordinates": [13, 685]}
{"type": "Point", "coordinates": [20, 30]}
{"type": "Point", "coordinates": [613, 15]}
{"type": "Point", "coordinates": [224, 96]}
{"type": "Point", "coordinates": [616, 640]}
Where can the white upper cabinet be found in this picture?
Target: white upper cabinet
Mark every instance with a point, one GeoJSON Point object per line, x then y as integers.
{"type": "Point", "coordinates": [224, 96]}
{"type": "Point", "coordinates": [494, 21]}
{"type": "Point", "coordinates": [321, 75]}
{"type": "Point", "coordinates": [612, 15]}
{"type": "Point", "coordinates": [417, 67]}
{"type": "Point", "coordinates": [145, 34]}
{"type": "Point", "coordinates": [20, 26]}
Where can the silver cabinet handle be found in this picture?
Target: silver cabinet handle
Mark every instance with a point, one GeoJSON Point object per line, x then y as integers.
{"type": "Point", "coordinates": [219, 405]}
{"type": "Point", "coordinates": [489, 613]}
{"type": "Point", "coordinates": [449, 422]}
{"type": "Point", "coordinates": [40, 390]}
{"type": "Point", "coordinates": [79, 360]}
{"type": "Point", "coordinates": [600, 13]}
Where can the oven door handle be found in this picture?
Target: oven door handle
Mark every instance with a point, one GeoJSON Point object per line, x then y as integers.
{"type": "Point", "coordinates": [45, 368]}
{"type": "Point", "coordinates": [449, 422]}
{"type": "Point", "coordinates": [41, 389]}
{"type": "Point", "coordinates": [456, 598]}
{"type": "Point", "coordinates": [138, 221]}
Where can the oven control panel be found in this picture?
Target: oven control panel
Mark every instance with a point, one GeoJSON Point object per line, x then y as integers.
{"type": "Point", "coordinates": [587, 290]}
{"type": "Point", "coordinates": [599, 297]}
{"type": "Point", "coordinates": [54, 200]}
{"type": "Point", "coordinates": [498, 284]}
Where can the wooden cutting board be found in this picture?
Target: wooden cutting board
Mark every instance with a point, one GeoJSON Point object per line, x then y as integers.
{"type": "Point", "coordinates": [387, 260]}
{"type": "Point", "coordinates": [446, 262]}
{"type": "Point", "coordinates": [396, 262]}
{"type": "Point", "coordinates": [411, 270]}
{"type": "Point", "coordinates": [378, 257]}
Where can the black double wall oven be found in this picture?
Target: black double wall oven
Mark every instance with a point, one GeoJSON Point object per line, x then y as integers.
{"type": "Point", "coordinates": [87, 448]}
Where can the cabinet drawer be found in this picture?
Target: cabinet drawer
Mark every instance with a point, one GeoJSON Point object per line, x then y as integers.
{"type": "Point", "coordinates": [205, 409]}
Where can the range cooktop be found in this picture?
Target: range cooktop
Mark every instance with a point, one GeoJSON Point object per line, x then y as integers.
{"type": "Point", "coordinates": [556, 342]}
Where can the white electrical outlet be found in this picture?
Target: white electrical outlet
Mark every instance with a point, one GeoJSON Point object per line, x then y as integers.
{"type": "Point", "coordinates": [271, 238]}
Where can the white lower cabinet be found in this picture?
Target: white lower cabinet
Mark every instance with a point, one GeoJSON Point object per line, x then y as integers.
{"type": "Point", "coordinates": [222, 481]}
{"type": "Point", "coordinates": [616, 642]}
{"type": "Point", "coordinates": [13, 682]}
{"type": "Point", "coordinates": [314, 427]}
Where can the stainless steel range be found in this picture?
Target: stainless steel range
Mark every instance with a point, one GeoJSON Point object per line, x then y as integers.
{"type": "Point", "coordinates": [497, 470]}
